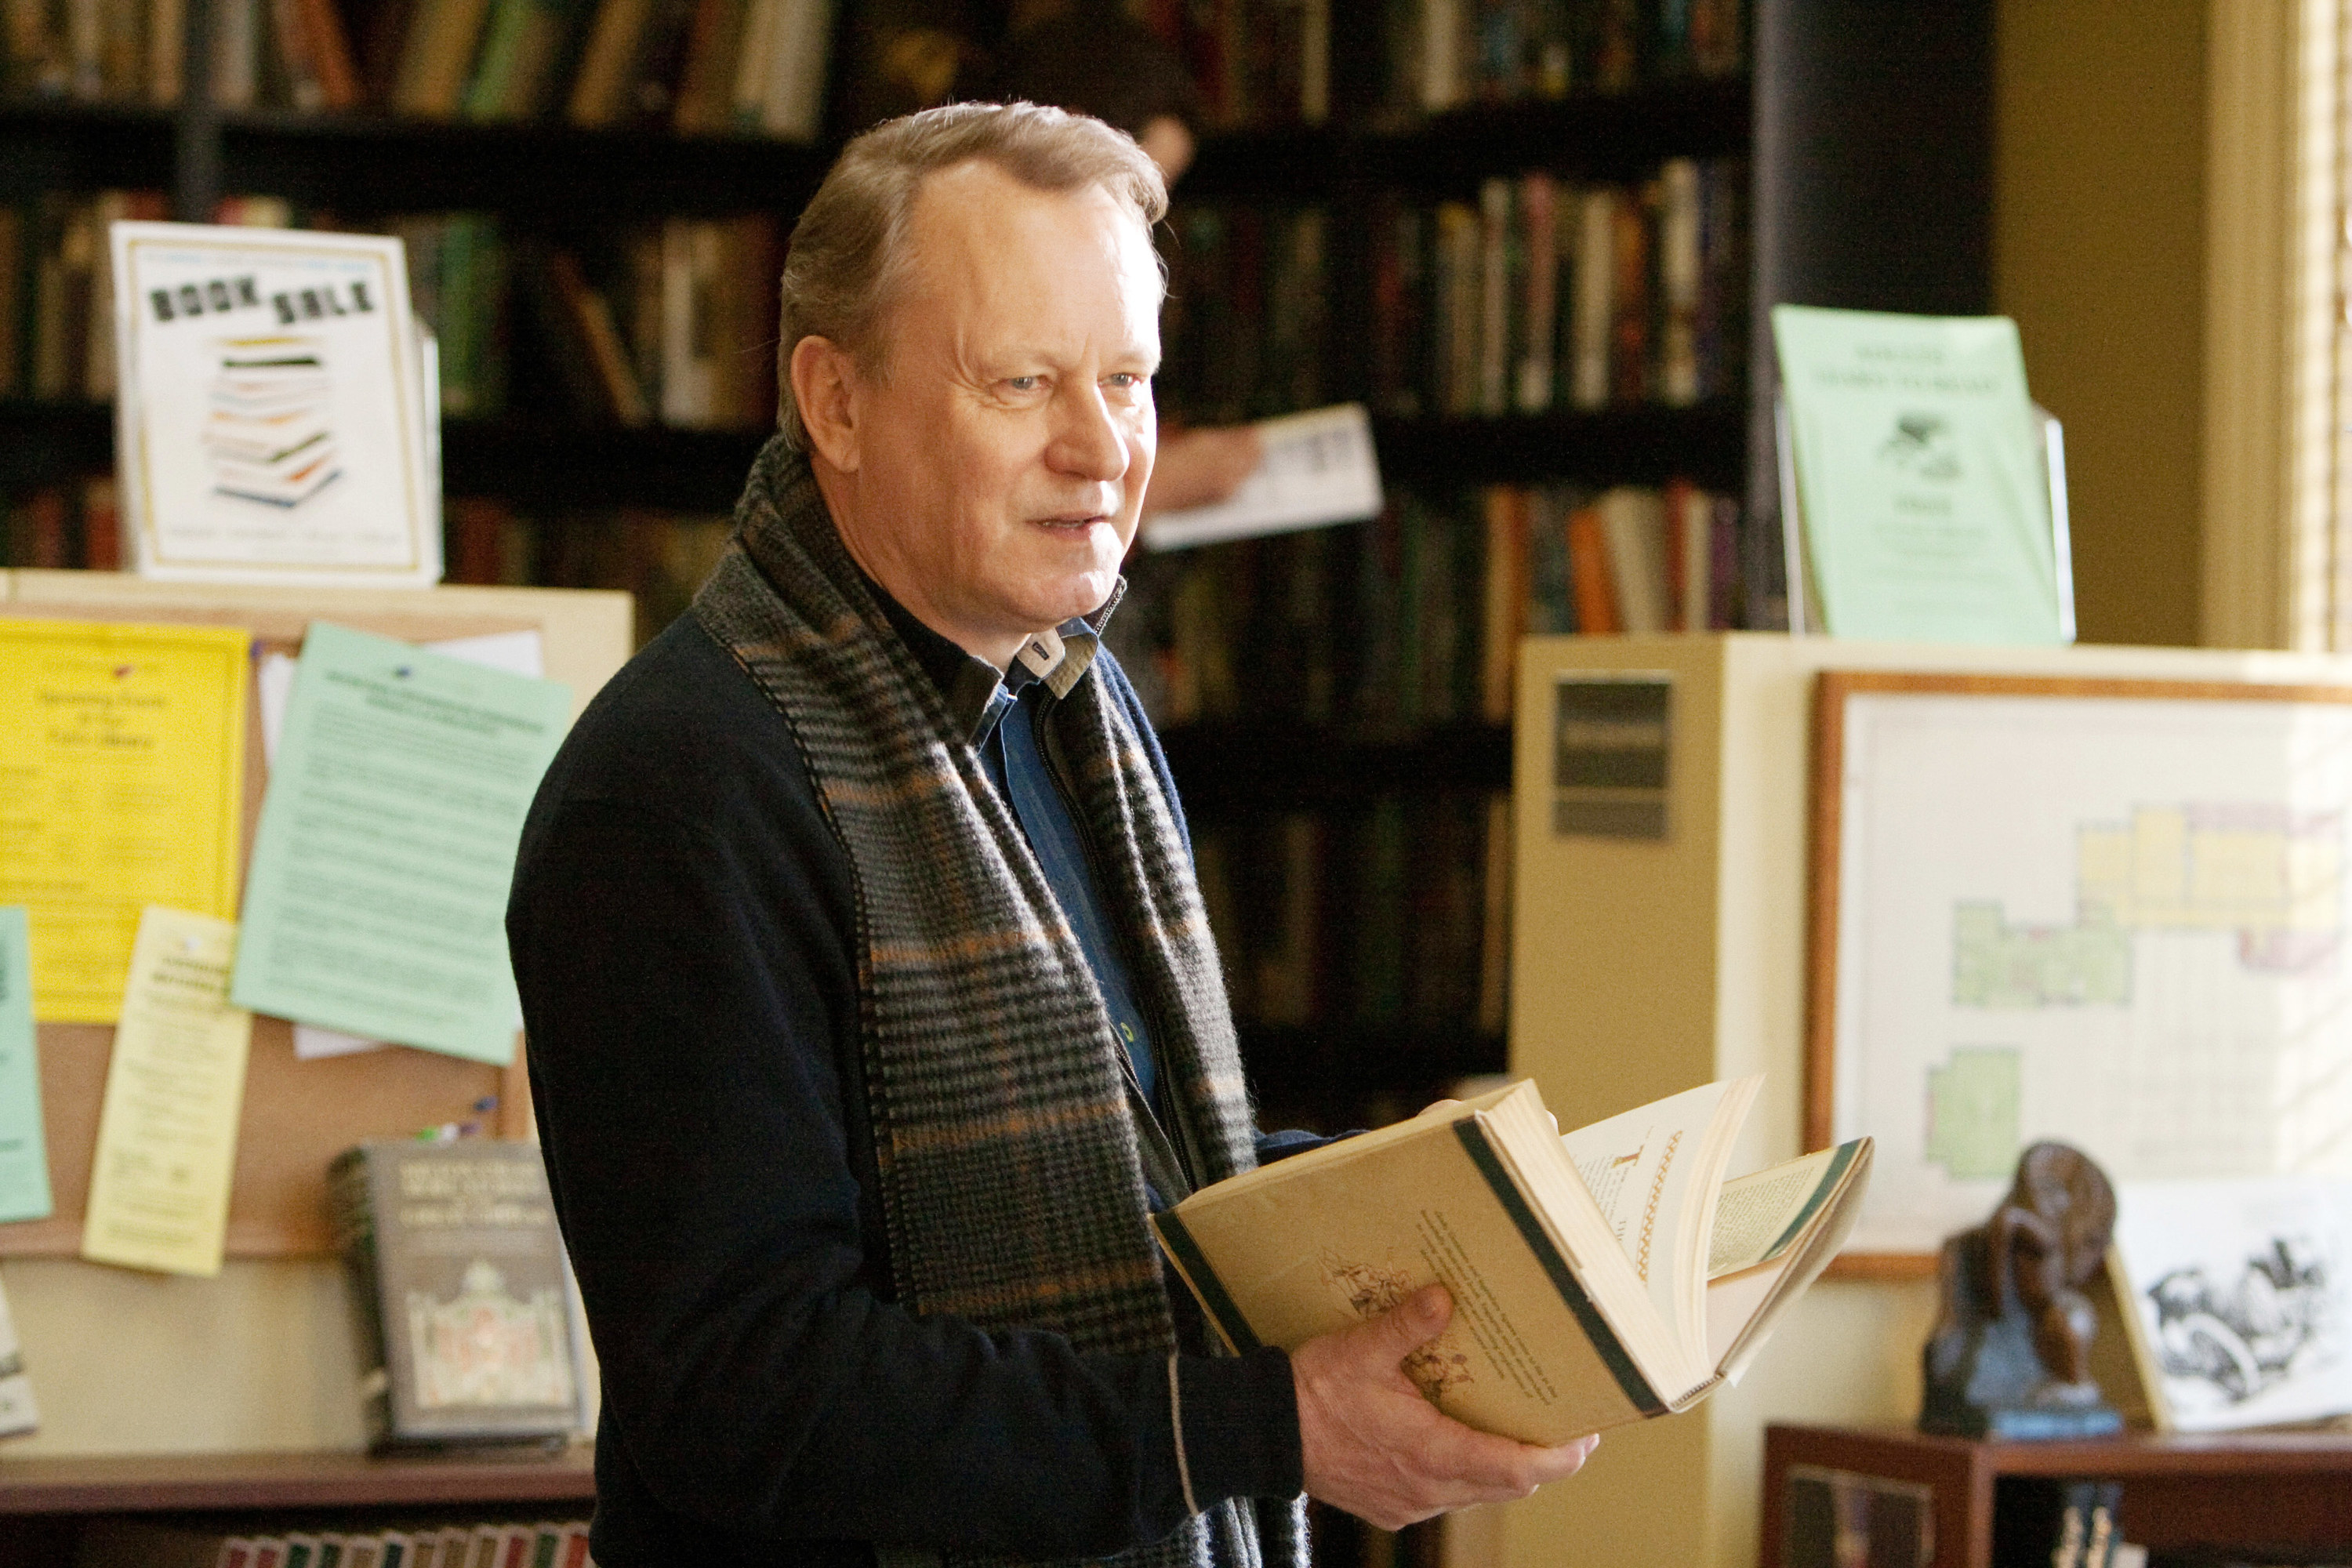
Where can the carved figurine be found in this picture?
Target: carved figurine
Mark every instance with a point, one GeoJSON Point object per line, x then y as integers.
{"type": "Point", "coordinates": [2010, 1354]}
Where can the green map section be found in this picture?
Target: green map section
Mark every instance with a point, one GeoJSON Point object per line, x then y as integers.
{"type": "Point", "coordinates": [1974, 1111]}
{"type": "Point", "coordinates": [1997, 964]}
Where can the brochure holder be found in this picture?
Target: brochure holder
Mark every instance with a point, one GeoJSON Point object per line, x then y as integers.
{"type": "Point", "coordinates": [1804, 595]}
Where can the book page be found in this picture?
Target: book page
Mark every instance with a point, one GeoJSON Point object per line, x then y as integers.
{"type": "Point", "coordinates": [1638, 1167]}
{"type": "Point", "coordinates": [1760, 1213]}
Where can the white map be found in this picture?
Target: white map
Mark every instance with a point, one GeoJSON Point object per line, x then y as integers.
{"type": "Point", "coordinates": [2116, 921]}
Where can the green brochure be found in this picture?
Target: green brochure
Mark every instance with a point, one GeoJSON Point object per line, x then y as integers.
{"type": "Point", "coordinates": [1919, 471]}
{"type": "Point", "coordinates": [376, 900]}
{"type": "Point", "coordinates": [24, 1149]}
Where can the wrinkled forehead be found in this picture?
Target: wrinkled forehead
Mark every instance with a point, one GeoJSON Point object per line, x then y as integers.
{"type": "Point", "coordinates": [980, 243]}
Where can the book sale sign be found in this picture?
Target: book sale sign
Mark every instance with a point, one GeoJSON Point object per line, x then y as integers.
{"type": "Point", "coordinates": [274, 422]}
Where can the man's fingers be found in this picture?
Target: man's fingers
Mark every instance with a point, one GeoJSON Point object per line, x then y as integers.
{"type": "Point", "coordinates": [1409, 1325]}
{"type": "Point", "coordinates": [1500, 1469]}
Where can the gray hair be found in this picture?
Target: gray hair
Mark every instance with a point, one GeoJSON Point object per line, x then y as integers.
{"type": "Point", "coordinates": [849, 252]}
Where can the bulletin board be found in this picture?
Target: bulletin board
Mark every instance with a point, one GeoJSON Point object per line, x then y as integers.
{"type": "Point", "coordinates": [2109, 912]}
{"type": "Point", "coordinates": [298, 1115]}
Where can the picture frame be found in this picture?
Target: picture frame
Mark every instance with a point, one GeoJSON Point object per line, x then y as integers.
{"type": "Point", "coordinates": [2106, 911]}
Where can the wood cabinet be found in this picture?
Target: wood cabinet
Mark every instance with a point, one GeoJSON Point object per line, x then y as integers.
{"type": "Point", "coordinates": [2277, 1489]}
{"type": "Point", "coordinates": [45, 1503]}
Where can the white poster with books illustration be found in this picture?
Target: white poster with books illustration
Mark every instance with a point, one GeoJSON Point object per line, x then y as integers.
{"type": "Point", "coordinates": [2241, 1293]}
{"type": "Point", "coordinates": [273, 423]}
{"type": "Point", "coordinates": [2107, 912]}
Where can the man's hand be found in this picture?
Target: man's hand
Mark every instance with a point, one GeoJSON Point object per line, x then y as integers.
{"type": "Point", "coordinates": [1201, 467]}
{"type": "Point", "coordinates": [1375, 1448]}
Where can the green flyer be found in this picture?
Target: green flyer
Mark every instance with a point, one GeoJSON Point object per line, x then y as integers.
{"type": "Point", "coordinates": [1919, 471]}
{"type": "Point", "coordinates": [24, 1151]}
{"type": "Point", "coordinates": [376, 900]}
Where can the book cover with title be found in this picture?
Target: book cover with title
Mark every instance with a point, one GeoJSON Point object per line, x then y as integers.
{"type": "Point", "coordinates": [275, 419]}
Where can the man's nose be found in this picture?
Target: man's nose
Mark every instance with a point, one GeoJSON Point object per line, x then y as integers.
{"type": "Point", "coordinates": [1088, 441]}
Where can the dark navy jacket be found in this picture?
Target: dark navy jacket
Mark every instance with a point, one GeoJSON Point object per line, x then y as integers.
{"type": "Point", "coordinates": [683, 926]}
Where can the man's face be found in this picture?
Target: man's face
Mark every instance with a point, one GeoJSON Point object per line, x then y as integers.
{"type": "Point", "coordinates": [1001, 455]}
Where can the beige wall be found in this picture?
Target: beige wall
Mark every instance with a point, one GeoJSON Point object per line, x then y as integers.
{"type": "Point", "coordinates": [2098, 252]}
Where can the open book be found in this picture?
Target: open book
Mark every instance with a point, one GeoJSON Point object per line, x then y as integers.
{"type": "Point", "coordinates": [1598, 1279]}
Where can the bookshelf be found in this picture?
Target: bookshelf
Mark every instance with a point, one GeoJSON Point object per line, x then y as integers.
{"type": "Point", "coordinates": [1865, 131]}
{"type": "Point", "coordinates": [45, 1503]}
{"type": "Point", "coordinates": [2275, 1491]}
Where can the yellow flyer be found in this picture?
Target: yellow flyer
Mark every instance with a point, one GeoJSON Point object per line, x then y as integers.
{"type": "Point", "coordinates": [167, 1133]}
{"type": "Point", "coordinates": [122, 784]}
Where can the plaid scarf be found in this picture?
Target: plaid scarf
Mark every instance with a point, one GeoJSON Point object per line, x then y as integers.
{"type": "Point", "coordinates": [1011, 1184]}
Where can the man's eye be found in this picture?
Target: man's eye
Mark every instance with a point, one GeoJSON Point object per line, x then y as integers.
{"type": "Point", "coordinates": [1021, 382]}
{"type": "Point", "coordinates": [1126, 380]}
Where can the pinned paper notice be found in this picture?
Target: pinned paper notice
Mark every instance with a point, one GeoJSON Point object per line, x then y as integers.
{"type": "Point", "coordinates": [387, 840]}
{"type": "Point", "coordinates": [123, 787]}
{"type": "Point", "coordinates": [24, 1153]}
{"type": "Point", "coordinates": [1319, 468]}
{"type": "Point", "coordinates": [159, 1180]}
{"type": "Point", "coordinates": [517, 653]}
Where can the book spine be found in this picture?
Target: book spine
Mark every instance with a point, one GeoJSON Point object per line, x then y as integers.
{"type": "Point", "coordinates": [1185, 1254]}
{"type": "Point", "coordinates": [1611, 1348]}
{"type": "Point", "coordinates": [354, 1216]}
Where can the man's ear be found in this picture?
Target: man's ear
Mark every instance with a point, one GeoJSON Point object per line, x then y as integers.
{"type": "Point", "coordinates": [824, 388]}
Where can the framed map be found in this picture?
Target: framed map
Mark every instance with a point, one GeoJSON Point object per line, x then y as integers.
{"type": "Point", "coordinates": [2109, 912]}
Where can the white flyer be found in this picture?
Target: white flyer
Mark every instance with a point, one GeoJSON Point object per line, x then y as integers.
{"type": "Point", "coordinates": [1319, 468]}
{"type": "Point", "coordinates": [272, 421]}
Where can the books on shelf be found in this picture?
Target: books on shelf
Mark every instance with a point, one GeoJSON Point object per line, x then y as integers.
{"type": "Point", "coordinates": [1389, 914]}
{"type": "Point", "coordinates": [1413, 619]}
{"type": "Point", "coordinates": [122, 1542]}
{"type": "Point", "coordinates": [754, 68]}
{"type": "Point", "coordinates": [1607, 1275]}
{"type": "Point", "coordinates": [1545, 295]}
{"type": "Point", "coordinates": [1444, 55]}
{"type": "Point", "coordinates": [63, 526]}
{"type": "Point", "coordinates": [460, 1293]}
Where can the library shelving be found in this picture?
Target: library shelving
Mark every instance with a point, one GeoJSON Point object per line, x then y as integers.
{"type": "Point", "coordinates": [47, 1503]}
{"type": "Point", "coordinates": [1862, 138]}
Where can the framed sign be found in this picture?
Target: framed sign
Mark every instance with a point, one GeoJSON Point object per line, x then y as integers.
{"type": "Point", "coordinates": [2110, 913]}
{"type": "Point", "coordinates": [274, 422]}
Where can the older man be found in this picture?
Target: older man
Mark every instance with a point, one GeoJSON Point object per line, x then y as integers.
{"type": "Point", "coordinates": [870, 1000]}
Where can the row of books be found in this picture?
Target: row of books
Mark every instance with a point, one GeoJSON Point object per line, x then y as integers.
{"type": "Point", "coordinates": [1446, 54]}
{"type": "Point", "coordinates": [1242, 334]}
{"type": "Point", "coordinates": [1263, 63]}
{"type": "Point", "coordinates": [659, 557]}
{"type": "Point", "coordinates": [695, 67]}
{"type": "Point", "coordinates": [1391, 915]}
{"type": "Point", "coordinates": [673, 322]}
{"type": "Point", "coordinates": [1411, 620]}
{"type": "Point", "coordinates": [72, 526]}
{"type": "Point", "coordinates": [57, 295]}
{"type": "Point", "coordinates": [131, 1543]}
{"type": "Point", "coordinates": [1540, 295]}
{"type": "Point", "coordinates": [1545, 295]}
